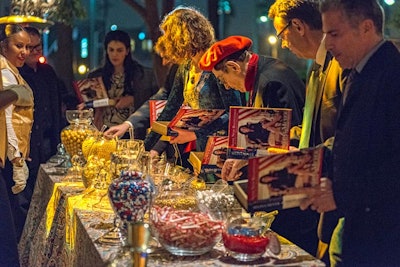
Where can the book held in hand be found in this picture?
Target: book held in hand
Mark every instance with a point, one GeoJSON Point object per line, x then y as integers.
{"type": "Point", "coordinates": [279, 181]}
{"type": "Point", "coordinates": [187, 119]}
{"type": "Point", "coordinates": [253, 131]}
{"type": "Point", "coordinates": [156, 107]}
{"type": "Point", "coordinates": [90, 89]}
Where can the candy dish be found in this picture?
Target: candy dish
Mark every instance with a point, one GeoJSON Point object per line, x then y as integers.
{"type": "Point", "coordinates": [180, 227]}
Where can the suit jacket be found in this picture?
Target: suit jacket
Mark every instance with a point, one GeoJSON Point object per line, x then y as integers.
{"type": "Point", "coordinates": [328, 100]}
{"type": "Point", "coordinates": [278, 86]}
{"type": "Point", "coordinates": [366, 160]}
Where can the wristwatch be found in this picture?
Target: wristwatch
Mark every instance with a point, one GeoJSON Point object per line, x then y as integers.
{"type": "Point", "coordinates": [18, 162]}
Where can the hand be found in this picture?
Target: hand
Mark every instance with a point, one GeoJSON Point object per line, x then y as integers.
{"type": "Point", "coordinates": [117, 130]}
{"type": "Point", "coordinates": [20, 176]}
{"type": "Point", "coordinates": [80, 106]}
{"type": "Point", "coordinates": [183, 136]}
{"type": "Point", "coordinates": [124, 102]}
{"type": "Point", "coordinates": [25, 96]}
{"type": "Point", "coordinates": [320, 198]}
{"type": "Point", "coordinates": [231, 169]}
{"type": "Point", "coordinates": [154, 154]}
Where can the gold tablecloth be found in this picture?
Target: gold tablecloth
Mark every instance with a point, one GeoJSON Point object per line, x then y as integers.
{"type": "Point", "coordinates": [63, 225]}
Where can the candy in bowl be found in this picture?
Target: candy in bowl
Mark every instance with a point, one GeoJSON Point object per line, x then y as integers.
{"type": "Point", "coordinates": [248, 238]}
{"type": "Point", "coordinates": [180, 227]}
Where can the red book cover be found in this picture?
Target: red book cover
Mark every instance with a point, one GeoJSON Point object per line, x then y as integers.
{"type": "Point", "coordinates": [258, 129]}
{"type": "Point", "coordinates": [156, 107]}
{"type": "Point", "coordinates": [215, 154]}
{"type": "Point", "coordinates": [277, 181]}
{"type": "Point", "coordinates": [90, 89]}
{"type": "Point", "coordinates": [195, 119]}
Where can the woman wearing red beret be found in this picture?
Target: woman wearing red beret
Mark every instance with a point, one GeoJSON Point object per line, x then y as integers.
{"type": "Point", "coordinates": [187, 34]}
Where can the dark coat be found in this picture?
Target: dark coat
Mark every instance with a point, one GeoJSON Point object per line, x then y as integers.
{"type": "Point", "coordinates": [328, 95]}
{"type": "Point", "coordinates": [366, 160]}
{"type": "Point", "coordinates": [278, 86]}
{"type": "Point", "coordinates": [48, 91]}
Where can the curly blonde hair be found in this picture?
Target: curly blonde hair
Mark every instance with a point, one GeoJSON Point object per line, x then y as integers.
{"type": "Point", "coordinates": [185, 32]}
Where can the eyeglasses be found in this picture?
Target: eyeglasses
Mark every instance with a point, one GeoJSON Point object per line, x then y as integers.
{"type": "Point", "coordinates": [279, 35]}
{"type": "Point", "coordinates": [36, 48]}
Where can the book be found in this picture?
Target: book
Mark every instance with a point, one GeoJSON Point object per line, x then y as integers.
{"type": "Point", "coordinates": [254, 131]}
{"type": "Point", "coordinates": [187, 119]}
{"type": "Point", "coordinates": [162, 127]}
{"type": "Point", "coordinates": [156, 107]}
{"type": "Point", "coordinates": [195, 119]}
{"type": "Point", "coordinates": [279, 181]}
{"type": "Point", "coordinates": [195, 159]}
{"type": "Point", "coordinates": [90, 89]}
{"type": "Point", "coordinates": [214, 156]}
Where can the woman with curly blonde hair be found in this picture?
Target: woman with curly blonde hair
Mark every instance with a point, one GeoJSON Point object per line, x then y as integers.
{"type": "Point", "coordinates": [186, 35]}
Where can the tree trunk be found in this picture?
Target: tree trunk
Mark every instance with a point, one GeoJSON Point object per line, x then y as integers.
{"type": "Point", "coordinates": [150, 15]}
{"type": "Point", "coordinates": [64, 54]}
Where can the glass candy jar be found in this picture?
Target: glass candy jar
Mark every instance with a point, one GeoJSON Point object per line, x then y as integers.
{"type": "Point", "coordinates": [80, 127]}
{"type": "Point", "coordinates": [180, 227]}
{"type": "Point", "coordinates": [97, 150]}
{"type": "Point", "coordinates": [131, 195]}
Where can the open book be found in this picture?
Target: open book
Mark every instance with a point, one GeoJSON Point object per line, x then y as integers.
{"type": "Point", "coordinates": [254, 131]}
{"type": "Point", "coordinates": [279, 181]}
{"type": "Point", "coordinates": [187, 119]}
{"type": "Point", "coordinates": [90, 89]}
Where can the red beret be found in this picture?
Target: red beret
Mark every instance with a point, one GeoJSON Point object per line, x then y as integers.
{"type": "Point", "coordinates": [222, 49]}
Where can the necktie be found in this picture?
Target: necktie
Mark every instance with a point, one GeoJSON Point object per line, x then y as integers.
{"type": "Point", "coordinates": [349, 80]}
{"type": "Point", "coordinates": [308, 115]}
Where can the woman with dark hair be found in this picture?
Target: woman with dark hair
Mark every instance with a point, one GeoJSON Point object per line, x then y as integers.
{"type": "Point", "coordinates": [126, 81]}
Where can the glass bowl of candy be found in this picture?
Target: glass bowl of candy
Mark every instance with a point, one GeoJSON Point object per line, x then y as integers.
{"type": "Point", "coordinates": [217, 200]}
{"type": "Point", "coordinates": [180, 227]}
{"type": "Point", "coordinates": [247, 238]}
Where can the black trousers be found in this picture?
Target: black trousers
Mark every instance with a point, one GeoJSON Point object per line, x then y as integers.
{"type": "Point", "coordinates": [8, 240]}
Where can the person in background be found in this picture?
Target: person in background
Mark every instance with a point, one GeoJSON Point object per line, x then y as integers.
{"type": "Point", "coordinates": [364, 183]}
{"type": "Point", "coordinates": [49, 91]}
{"type": "Point", "coordinates": [186, 35]}
{"type": "Point", "coordinates": [16, 95]}
{"type": "Point", "coordinates": [14, 48]}
{"type": "Point", "coordinates": [126, 81]}
{"type": "Point", "coordinates": [299, 26]}
{"type": "Point", "coordinates": [140, 119]}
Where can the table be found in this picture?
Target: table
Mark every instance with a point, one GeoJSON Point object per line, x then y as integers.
{"type": "Point", "coordinates": [62, 228]}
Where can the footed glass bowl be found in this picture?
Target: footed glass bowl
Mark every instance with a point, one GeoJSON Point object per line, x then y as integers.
{"type": "Point", "coordinates": [245, 238]}
{"type": "Point", "coordinates": [180, 228]}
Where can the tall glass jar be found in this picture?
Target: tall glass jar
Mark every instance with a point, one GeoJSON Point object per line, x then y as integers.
{"type": "Point", "coordinates": [80, 127]}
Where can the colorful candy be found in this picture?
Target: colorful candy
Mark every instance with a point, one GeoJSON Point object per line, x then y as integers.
{"type": "Point", "coordinates": [131, 196]}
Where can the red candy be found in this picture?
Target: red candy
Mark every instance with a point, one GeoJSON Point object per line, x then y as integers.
{"type": "Point", "coordinates": [184, 229]}
{"type": "Point", "coordinates": [245, 244]}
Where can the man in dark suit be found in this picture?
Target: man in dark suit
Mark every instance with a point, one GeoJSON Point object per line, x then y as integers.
{"type": "Point", "coordinates": [364, 183]}
{"type": "Point", "coordinates": [299, 26]}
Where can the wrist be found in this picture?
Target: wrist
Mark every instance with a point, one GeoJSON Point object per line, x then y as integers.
{"type": "Point", "coordinates": [18, 162]}
{"type": "Point", "coordinates": [128, 123]}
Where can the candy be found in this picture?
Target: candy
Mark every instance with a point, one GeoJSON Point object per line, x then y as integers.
{"type": "Point", "coordinates": [130, 196]}
{"type": "Point", "coordinates": [184, 229]}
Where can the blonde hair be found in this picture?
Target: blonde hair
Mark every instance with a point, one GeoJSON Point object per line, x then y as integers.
{"type": "Point", "coordinates": [185, 32]}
